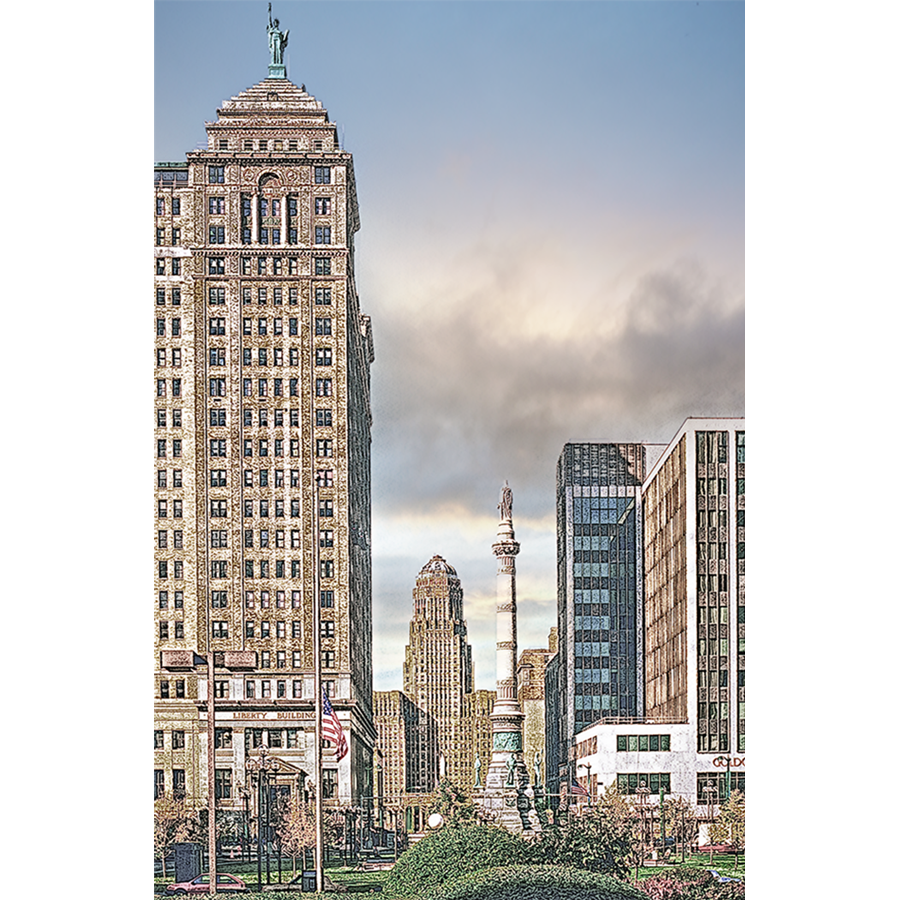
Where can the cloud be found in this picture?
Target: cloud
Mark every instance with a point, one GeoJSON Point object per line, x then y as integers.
{"type": "Point", "coordinates": [500, 367]}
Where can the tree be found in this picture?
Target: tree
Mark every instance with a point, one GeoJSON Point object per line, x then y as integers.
{"type": "Point", "coordinates": [729, 828]}
{"type": "Point", "coordinates": [681, 821]}
{"type": "Point", "coordinates": [173, 823]}
{"type": "Point", "coordinates": [451, 802]}
{"type": "Point", "coordinates": [295, 825]}
{"type": "Point", "coordinates": [602, 839]}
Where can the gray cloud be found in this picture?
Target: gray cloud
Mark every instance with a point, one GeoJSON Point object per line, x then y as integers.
{"type": "Point", "coordinates": [467, 392]}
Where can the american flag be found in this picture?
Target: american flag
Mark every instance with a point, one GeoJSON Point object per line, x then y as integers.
{"type": "Point", "coordinates": [331, 728]}
{"type": "Point", "coordinates": [579, 790]}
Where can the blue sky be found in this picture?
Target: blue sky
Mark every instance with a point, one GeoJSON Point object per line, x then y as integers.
{"type": "Point", "coordinates": [552, 247]}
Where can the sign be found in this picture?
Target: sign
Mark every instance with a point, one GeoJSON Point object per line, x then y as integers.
{"type": "Point", "coordinates": [270, 716]}
{"type": "Point", "coordinates": [722, 762]}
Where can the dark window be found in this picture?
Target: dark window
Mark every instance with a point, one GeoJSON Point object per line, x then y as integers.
{"type": "Point", "coordinates": [217, 174]}
{"type": "Point", "coordinates": [323, 175]}
{"type": "Point", "coordinates": [217, 265]}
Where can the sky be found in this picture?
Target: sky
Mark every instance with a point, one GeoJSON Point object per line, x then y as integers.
{"type": "Point", "coordinates": [552, 248]}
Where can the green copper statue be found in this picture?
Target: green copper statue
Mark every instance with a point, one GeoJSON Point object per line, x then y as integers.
{"type": "Point", "coordinates": [278, 40]}
{"type": "Point", "coordinates": [477, 770]}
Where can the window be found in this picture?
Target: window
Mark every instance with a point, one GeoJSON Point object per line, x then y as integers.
{"type": "Point", "coordinates": [326, 508]}
{"type": "Point", "coordinates": [179, 688]}
{"type": "Point", "coordinates": [324, 447]}
{"type": "Point", "coordinates": [217, 447]}
{"type": "Point", "coordinates": [176, 206]}
{"type": "Point", "coordinates": [323, 206]}
{"type": "Point", "coordinates": [327, 628]}
{"type": "Point", "coordinates": [160, 387]}
{"type": "Point", "coordinates": [178, 740]}
{"type": "Point", "coordinates": [164, 689]}
{"type": "Point", "coordinates": [223, 784]}
{"type": "Point", "coordinates": [265, 685]}
{"type": "Point", "coordinates": [217, 326]}
{"type": "Point", "coordinates": [323, 326]}
{"type": "Point", "coordinates": [224, 739]}
{"type": "Point", "coordinates": [220, 688]}
{"type": "Point", "coordinates": [218, 508]}
{"type": "Point", "coordinates": [324, 478]}
{"type": "Point", "coordinates": [323, 418]}
{"type": "Point", "coordinates": [160, 267]}
{"type": "Point", "coordinates": [160, 327]}
{"type": "Point", "coordinates": [160, 236]}
{"type": "Point", "coordinates": [216, 235]}
{"type": "Point", "coordinates": [323, 174]}
{"type": "Point", "coordinates": [176, 237]}
{"type": "Point", "coordinates": [216, 265]}
{"type": "Point", "coordinates": [158, 740]}
{"type": "Point", "coordinates": [261, 265]}
{"type": "Point", "coordinates": [178, 784]}
{"type": "Point", "coordinates": [163, 599]}
{"type": "Point", "coordinates": [328, 685]}
{"type": "Point", "coordinates": [323, 387]}
{"type": "Point", "coordinates": [326, 538]}
{"type": "Point", "coordinates": [217, 296]}
{"type": "Point", "coordinates": [179, 630]}
{"type": "Point", "coordinates": [160, 206]}
{"type": "Point", "coordinates": [326, 599]}
{"type": "Point", "coordinates": [163, 631]}
{"type": "Point", "coordinates": [219, 568]}
{"type": "Point", "coordinates": [159, 788]}
{"type": "Point", "coordinates": [176, 479]}
{"type": "Point", "coordinates": [160, 296]}
{"type": "Point", "coordinates": [220, 629]}
{"type": "Point", "coordinates": [329, 783]}
{"type": "Point", "coordinates": [176, 448]}
{"type": "Point", "coordinates": [216, 174]}
{"type": "Point", "coordinates": [219, 599]}
{"type": "Point", "coordinates": [327, 568]}
{"type": "Point", "coordinates": [176, 266]}
{"type": "Point", "coordinates": [280, 663]}
{"type": "Point", "coordinates": [176, 357]}
{"type": "Point", "coordinates": [217, 356]}
{"type": "Point", "coordinates": [176, 387]}
{"type": "Point", "coordinates": [323, 234]}
{"type": "Point", "coordinates": [323, 265]}
{"type": "Point", "coordinates": [328, 659]}
{"type": "Point", "coordinates": [178, 540]}
{"type": "Point", "coordinates": [216, 206]}
{"type": "Point", "coordinates": [161, 538]}
{"type": "Point", "coordinates": [176, 327]}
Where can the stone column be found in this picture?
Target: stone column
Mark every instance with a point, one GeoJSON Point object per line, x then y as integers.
{"type": "Point", "coordinates": [507, 795]}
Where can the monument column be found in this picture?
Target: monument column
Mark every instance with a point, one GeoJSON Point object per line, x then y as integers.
{"type": "Point", "coordinates": [507, 794]}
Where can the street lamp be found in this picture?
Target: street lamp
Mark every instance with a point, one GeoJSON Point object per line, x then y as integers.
{"type": "Point", "coordinates": [709, 789]}
{"type": "Point", "coordinates": [642, 793]}
{"type": "Point", "coordinates": [261, 771]}
{"type": "Point", "coordinates": [244, 792]}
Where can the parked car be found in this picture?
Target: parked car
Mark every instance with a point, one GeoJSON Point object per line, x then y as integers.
{"type": "Point", "coordinates": [200, 885]}
{"type": "Point", "coordinates": [716, 848]}
{"type": "Point", "coordinates": [722, 878]}
{"type": "Point", "coordinates": [305, 881]}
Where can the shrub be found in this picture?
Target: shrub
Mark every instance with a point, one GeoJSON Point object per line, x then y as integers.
{"type": "Point", "coordinates": [524, 882]}
{"type": "Point", "coordinates": [690, 884]}
{"type": "Point", "coordinates": [451, 852]}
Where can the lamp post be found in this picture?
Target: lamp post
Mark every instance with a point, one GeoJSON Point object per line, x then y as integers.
{"type": "Point", "coordinates": [244, 791]}
{"type": "Point", "coordinates": [709, 790]}
{"type": "Point", "coordinates": [261, 771]}
{"type": "Point", "coordinates": [642, 792]}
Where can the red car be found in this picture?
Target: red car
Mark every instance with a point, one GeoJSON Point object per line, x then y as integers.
{"type": "Point", "coordinates": [200, 885]}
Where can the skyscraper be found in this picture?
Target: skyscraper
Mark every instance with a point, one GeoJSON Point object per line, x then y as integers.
{"type": "Point", "coordinates": [598, 672]}
{"type": "Point", "coordinates": [690, 738]}
{"type": "Point", "coordinates": [437, 671]}
{"type": "Point", "coordinates": [262, 476]}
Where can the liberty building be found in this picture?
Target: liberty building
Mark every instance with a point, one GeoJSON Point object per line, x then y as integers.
{"type": "Point", "coordinates": [262, 421]}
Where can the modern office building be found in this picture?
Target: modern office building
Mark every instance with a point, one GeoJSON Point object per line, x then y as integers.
{"type": "Point", "coordinates": [262, 449]}
{"type": "Point", "coordinates": [691, 735]}
{"type": "Point", "coordinates": [599, 673]}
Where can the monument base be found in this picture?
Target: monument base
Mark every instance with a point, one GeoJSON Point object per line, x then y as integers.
{"type": "Point", "coordinates": [277, 71]}
{"type": "Point", "coordinates": [509, 801]}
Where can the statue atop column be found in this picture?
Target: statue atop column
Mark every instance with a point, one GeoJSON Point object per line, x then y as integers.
{"type": "Point", "coordinates": [278, 40]}
{"type": "Point", "coordinates": [506, 502]}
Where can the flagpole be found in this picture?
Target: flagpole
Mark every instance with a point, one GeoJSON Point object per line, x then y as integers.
{"type": "Point", "coordinates": [317, 612]}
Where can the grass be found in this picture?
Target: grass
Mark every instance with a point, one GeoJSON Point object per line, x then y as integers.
{"type": "Point", "coordinates": [724, 863]}
{"type": "Point", "coordinates": [247, 871]}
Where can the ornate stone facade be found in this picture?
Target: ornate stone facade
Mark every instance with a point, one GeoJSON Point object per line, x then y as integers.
{"type": "Point", "coordinates": [262, 475]}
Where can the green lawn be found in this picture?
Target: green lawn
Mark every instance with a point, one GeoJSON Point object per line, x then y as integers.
{"type": "Point", "coordinates": [724, 863]}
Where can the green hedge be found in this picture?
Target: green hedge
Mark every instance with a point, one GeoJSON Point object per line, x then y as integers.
{"type": "Point", "coordinates": [524, 882]}
{"type": "Point", "coordinates": [449, 853]}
